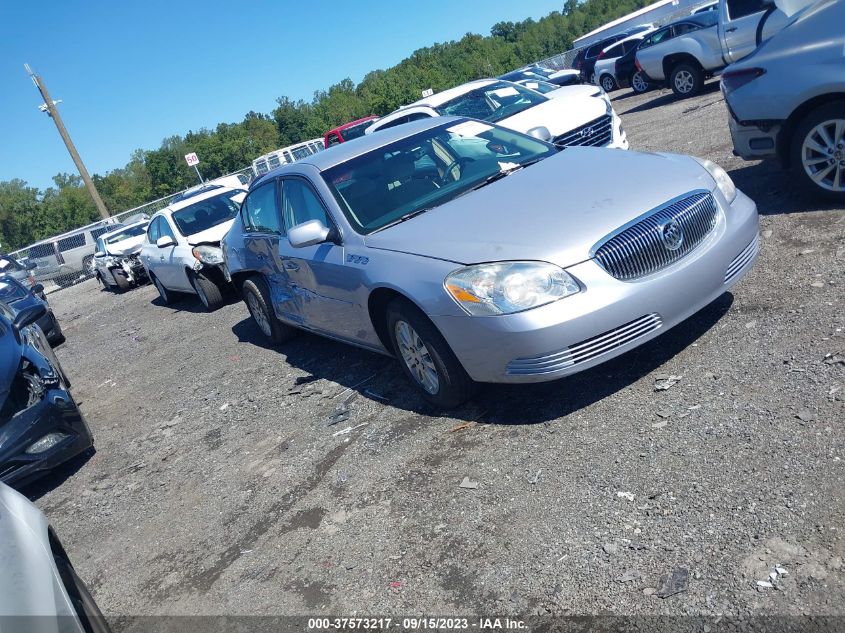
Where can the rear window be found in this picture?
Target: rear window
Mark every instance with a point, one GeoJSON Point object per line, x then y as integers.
{"type": "Point", "coordinates": [74, 241]}
{"type": "Point", "coordinates": [356, 131]}
{"type": "Point", "coordinates": [11, 291]}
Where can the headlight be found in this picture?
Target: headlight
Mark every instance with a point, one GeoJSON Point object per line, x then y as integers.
{"type": "Point", "coordinates": [208, 254]}
{"type": "Point", "coordinates": [723, 181]}
{"type": "Point", "coordinates": [508, 287]}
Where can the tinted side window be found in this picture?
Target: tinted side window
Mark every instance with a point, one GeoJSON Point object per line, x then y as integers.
{"type": "Point", "coordinates": [656, 38]}
{"type": "Point", "coordinates": [593, 51]}
{"type": "Point", "coordinates": [741, 8]}
{"type": "Point", "coordinates": [683, 29]}
{"type": "Point", "coordinates": [165, 228]}
{"type": "Point", "coordinates": [614, 51]}
{"type": "Point", "coordinates": [153, 231]}
{"type": "Point", "coordinates": [260, 210]}
{"type": "Point", "coordinates": [333, 140]}
{"type": "Point", "coordinates": [300, 203]}
{"type": "Point", "coordinates": [627, 47]}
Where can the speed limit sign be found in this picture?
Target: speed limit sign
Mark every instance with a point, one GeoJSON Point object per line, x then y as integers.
{"type": "Point", "coordinates": [192, 159]}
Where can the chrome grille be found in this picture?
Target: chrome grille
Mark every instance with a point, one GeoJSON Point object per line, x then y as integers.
{"type": "Point", "coordinates": [743, 258]}
{"type": "Point", "coordinates": [644, 248]}
{"type": "Point", "coordinates": [596, 133]}
{"type": "Point", "coordinates": [585, 350]}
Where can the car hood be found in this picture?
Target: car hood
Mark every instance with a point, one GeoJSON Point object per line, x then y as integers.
{"type": "Point", "coordinates": [574, 92]}
{"type": "Point", "coordinates": [126, 247]}
{"type": "Point", "coordinates": [29, 584]}
{"type": "Point", "coordinates": [212, 235]}
{"type": "Point", "coordinates": [559, 115]}
{"type": "Point", "coordinates": [567, 72]}
{"type": "Point", "coordinates": [10, 360]}
{"type": "Point", "coordinates": [554, 211]}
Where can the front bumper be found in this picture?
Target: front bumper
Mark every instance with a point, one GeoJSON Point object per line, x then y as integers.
{"type": "Point", "coordinates": [620, 137]}
{"type": "Point", "coordinates": [55, 412]}
{"type": "Point", "coordinates": [752, 143]}
{"type": "Point", "coordinates": [608, 318]}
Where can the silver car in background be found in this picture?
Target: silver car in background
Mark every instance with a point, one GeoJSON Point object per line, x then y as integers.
{"type": "Point", "coordinates": [39, 588]}
{"type": "Point", "coordinates": [787, 99]}
{"type": "Point", "coordinates": [441, 242]}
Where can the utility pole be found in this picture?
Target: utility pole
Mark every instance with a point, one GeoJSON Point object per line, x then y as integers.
{"type": "Point", "coordinates": [49, 106]}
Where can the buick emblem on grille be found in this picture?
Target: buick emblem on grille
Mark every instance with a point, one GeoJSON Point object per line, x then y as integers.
{"type": "Point", "coordinates": [672, 235]}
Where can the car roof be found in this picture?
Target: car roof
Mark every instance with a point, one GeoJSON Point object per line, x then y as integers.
{"type": "Point", "coordinates": [204, 195]}
{"type": "Point", "coordinates": [711, 18]}
{"type": "Point", "coordinates": [356, 147]}
{"type": "Point", "coordinates": [447, 95]}
{"type": "Point", "coordinates": [340, 128]}
{"type": "Point", "coordinates": [124, 227]}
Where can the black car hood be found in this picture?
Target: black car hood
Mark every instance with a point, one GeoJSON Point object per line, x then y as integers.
{"type": "Point", "coordinates": [10, 358]}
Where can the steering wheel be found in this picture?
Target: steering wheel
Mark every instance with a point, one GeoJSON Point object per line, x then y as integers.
{"type": "Point", "coordinates": [458, 162]}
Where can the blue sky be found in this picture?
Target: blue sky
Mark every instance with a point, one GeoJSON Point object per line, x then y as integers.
{"type": "Point", "coordinates": [133, 73]}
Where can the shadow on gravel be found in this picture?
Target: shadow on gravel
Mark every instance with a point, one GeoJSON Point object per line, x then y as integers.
{"type": "Point", "coordinates": [190, 303]}
{"type": "Point", "coordinates": [669, 97]}
{"type": "Point", "coordinates": [58, 476]}
{"type": "Point", "coordinates": [379, 378]}
{"type": "Point", "coordinates": [776, 190]}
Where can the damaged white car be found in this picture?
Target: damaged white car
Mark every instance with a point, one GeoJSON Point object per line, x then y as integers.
{"type": "Point", "coordinates": [117, 261]}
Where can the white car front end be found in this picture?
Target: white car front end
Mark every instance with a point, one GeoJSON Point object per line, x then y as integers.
{"type": "Point", "coordinates": [577, 115]}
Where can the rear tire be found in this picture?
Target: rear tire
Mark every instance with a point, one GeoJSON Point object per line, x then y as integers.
{"type": "Point", "coordinates": [608, 83]}
{"type": "Point", "coordinates": [256, 295]}
{"type": "Point", "coordinates": [686, 80]}
{"type": "Point", "coordinates": [426, 358]}
{"type": "Point", "coordinates": [166, 295]}
{"type": "Point", "coordinates": [818, 170]}
{"type": "Point", "coordinates": [208, 292]}
{"type": "Point", "coordinates": [638, 83]}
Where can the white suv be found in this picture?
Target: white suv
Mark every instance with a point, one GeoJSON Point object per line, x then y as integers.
{"type": "Point", "coordinates": [181, 251]}
{"type": "Point", "coordinates": [578, 115]}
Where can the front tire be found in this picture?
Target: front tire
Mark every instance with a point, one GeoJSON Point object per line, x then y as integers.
{"type": "Point", "coordinates": [686, 80]}
{"type": "Point", "coordinates": [818, 151]}
{"type": "Point", "coordinates": [208, 292]}
{"type": "Point", "coordinates": [638, 83]}
{"type": "Point", "coordinates": [256, 295]}
{"type": "Point", "coordinates": [426, 358]}
{"type": "Point", "coordinates": [166, 295]}
{"type": "Point", "coordinates": [608, 83]}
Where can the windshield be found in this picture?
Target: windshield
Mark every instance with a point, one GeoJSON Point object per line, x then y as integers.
{"type": "Point", "coordinates": [10, 291]}
{"type": "Point", "coordinates": [207, 213]}
{"type": "Point", "coordinates": [492, 102]}
{"type": "Point", "coordinates": [355, 131]}
{"type": "Point", "coordinates": [426, 170]}
{"type": "Point", "coordinates": [539, 86]}
{"type": "Point", "coordinates": [133, 231]}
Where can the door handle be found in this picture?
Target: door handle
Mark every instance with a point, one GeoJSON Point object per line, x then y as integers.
{"type": "Point", "coordinates": [730, 30]}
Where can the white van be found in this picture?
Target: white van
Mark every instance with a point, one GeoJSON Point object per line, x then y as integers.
{"type": "Point", "coordinates": [286, 155]}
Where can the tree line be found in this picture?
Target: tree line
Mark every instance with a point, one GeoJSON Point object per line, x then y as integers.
{"type": "Point", "coordinates": [28, 214]}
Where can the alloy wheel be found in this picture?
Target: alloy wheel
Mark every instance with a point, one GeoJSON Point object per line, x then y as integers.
{"type": "Point", "coordinates": [257, 312]}
{"type": "Point", "coordinates": [639, 84]}
{"type": "Point", "coordinates": [607, 83]}
{"type": "Point", "coordinates": [416, 357]}
{"type": "Point", "coordinates": [823, 155]}
{"type": "Point", "coordinates": [684, 81]}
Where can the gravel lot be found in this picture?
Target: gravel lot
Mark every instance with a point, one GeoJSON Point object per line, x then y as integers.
{"type": "Point", "coordinates": [218, 488]}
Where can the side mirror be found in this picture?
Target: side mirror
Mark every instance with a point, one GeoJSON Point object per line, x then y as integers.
{"type": "Point", "coordinates": [164, 241]}
{"type": "Point", "coordinates": [28, 316]}
{"type": "Point", "coordinates": [541, 133]}
{"type": "Point", "coordinates": [30, 265]}
{"type": "Point", "coordinates": [99, 254]}
{"type": "Point", "coordinates": [37, 289]}
{"type": "Point", "coordinates": [308, 234]}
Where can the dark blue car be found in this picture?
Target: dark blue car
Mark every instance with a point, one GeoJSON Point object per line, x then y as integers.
{"type": "Point", "coordinates": [18, 297]}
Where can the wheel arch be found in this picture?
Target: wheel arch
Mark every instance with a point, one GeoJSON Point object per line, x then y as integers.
{"type": "Point", "coordinates": [377, 303]}
{"type": "Point", "coordinates": [784, 143]}
{"type": "Point", "coordinates": [670, 61]}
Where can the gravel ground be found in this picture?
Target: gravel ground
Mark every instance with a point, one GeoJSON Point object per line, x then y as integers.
{"type": "Point", "coordinates": [218, 488]}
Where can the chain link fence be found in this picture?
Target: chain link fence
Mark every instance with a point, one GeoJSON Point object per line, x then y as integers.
{"type": "Point", "coordinates": [65, 260]}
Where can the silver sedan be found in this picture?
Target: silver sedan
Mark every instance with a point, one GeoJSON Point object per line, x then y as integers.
{"type": "Point", "coordinates": [473, 253]}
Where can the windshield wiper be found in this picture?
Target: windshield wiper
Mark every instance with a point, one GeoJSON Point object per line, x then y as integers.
{"type": "Point", "coordinates": [505, 172]}
{"type": "Point", "coordinates": [404, 218]}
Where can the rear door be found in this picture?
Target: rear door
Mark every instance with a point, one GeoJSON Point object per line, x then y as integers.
{"type": "Point", "coordinates": [738, 22]}
{"type": "Point", "coordinates": [263, 228]}
{"type": "Point", "coordinates": [323, 287]}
